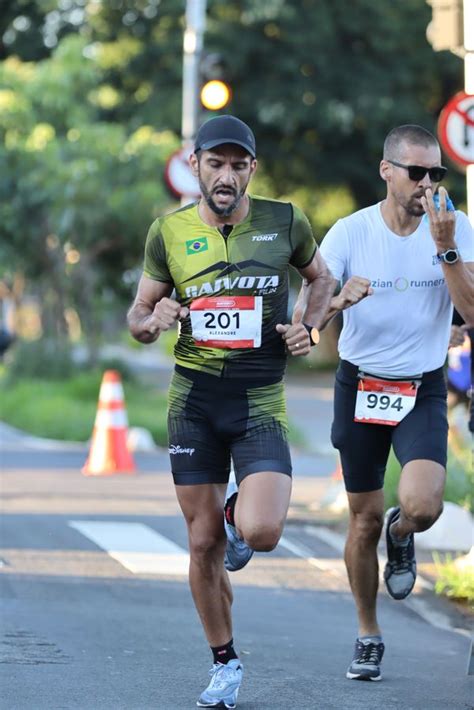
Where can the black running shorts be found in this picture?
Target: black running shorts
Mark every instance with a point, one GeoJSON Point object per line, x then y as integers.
{"type": "Point", "coordinates": [213, 419]}
{"type": "Point", "coordinates": [364, 448]}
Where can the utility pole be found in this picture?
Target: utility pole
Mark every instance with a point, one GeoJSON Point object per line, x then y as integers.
{"type": "Point", "coordinates": [192, 51]}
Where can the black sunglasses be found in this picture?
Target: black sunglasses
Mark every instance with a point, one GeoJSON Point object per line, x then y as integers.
{"type": "Point", "coordinates": [418, 172]}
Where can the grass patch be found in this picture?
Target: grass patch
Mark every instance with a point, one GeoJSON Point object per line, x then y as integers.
{"type": "Point", "coordinates": [65, 409]}
{"type": "Point", "coordinates": [453, 579]}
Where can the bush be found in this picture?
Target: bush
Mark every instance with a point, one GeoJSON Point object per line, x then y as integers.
{"type": "Point", "coordinates": [65, 409]}
{"type": "Point", "coordinates": [46, 408]}
{"type": "Point", "coordinates": [113, 363]}
{"type": "Point", "coordinates": [454, 580]}
{"type": "Point", "coordinates": [45, 359]}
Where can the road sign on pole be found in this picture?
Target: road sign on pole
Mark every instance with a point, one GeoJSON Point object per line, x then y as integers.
{"type": "Point", "coordinates": [456, 130]}
{"type": "Point", "coordinates": [179, 178]}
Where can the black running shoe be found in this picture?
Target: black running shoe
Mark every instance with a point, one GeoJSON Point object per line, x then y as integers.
{"type": "Point", "coordinates": [366, 662]}
{"type": "Point", "coordinates": [400, 570]}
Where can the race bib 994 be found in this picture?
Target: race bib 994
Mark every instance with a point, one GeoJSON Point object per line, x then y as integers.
{"type": "Point", "coordinates": [384, 401]}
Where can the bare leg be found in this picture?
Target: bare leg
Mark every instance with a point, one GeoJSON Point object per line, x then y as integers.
{"type": "Point", "coordinates": [420, 492]}
{"type": "Point", "coordinates": [210, 586]}
{"type": "Point", "coordinates": [261, 509]}
{"type": "Point", "coordinates": [365, 527]}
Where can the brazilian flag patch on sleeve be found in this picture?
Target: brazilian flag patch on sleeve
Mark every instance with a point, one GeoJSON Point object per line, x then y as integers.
{"type": "Point", "coordinates": [196, 246]}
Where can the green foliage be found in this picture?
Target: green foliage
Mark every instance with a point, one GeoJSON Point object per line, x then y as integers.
{"type": "Point", "coordinates": [147, 408]}
{"type": "Point", "coordinates": [77, 193]}
{"type": "Point", "coordinates": [454, 580]}
{"type": "Point", "coordinates": [115, 363]}
{"type": "Point", "coordinates": [90, 109]}
{"type": "Point", "coordinates": [65, 409]}
{"type": "Point", "coordinates": [83, 387]}
{"type": "Point", "coordinates": [42, 359]}
{"type": "Point", "coordinates": [47, 409]}
{"type": "Point", "coordinates": [167, 341]}
{"type": "Point", "coordinates": [460, 478]}
{"type": "Point", "coordinates": [332, 78]}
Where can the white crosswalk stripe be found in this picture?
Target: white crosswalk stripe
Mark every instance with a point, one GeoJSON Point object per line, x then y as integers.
{"type": "Point", "coordinates": [136, 546]}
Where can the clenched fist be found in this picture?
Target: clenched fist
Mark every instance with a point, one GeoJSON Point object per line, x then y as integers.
{"type": "Point", "coordinates": [354, 290]}
{"type": "Point", "coordinates": [296, 338]}
{"type": "Point", "coordinates": [165, 314]}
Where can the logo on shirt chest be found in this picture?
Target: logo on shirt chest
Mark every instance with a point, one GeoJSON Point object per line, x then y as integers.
{"type": "Point", "coordinates": [265, 237]}
{"type": "Point", "coordinates": [196, 246]}
{"type": "Point", "coordinates": [230, 277]}
{"type": "Point", "coordinates": [401, 283]}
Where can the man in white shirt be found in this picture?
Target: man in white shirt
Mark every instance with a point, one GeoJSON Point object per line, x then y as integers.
{"type": "Point", "coordinates": [403, 264]}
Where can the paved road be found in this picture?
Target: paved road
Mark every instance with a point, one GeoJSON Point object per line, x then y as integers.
{"type": "Point", "coordinates": [93, 620]}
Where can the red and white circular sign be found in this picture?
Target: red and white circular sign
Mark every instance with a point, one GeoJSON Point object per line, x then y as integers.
{"type": "Point", "coordinates": [178, 175]}
{"type": "Point", "coordinates": [456, 129]}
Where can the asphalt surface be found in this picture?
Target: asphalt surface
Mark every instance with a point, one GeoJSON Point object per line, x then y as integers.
{"type": "Point", "coordinates": [81, 630]}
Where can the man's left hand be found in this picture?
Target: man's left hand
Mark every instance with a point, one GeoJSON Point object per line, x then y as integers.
{"type": "Point", "coordinates": [296, 338]}
{"type": "Point", "coordinates": [442, 221]}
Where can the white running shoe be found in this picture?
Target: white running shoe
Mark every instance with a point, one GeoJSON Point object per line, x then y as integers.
{"type": "Point", "coordinates": [223, 689]}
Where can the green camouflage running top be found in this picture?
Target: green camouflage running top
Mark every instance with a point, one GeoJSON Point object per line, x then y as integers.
{"type": "Point", "coordinates": [252, 261]}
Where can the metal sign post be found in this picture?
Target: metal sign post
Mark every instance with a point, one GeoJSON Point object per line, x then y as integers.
{"type": "Point", "coordinates": [192, 49]}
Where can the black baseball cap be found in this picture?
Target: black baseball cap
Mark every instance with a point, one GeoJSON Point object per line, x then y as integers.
{"type": "Point", "coordinates": [225, 129]}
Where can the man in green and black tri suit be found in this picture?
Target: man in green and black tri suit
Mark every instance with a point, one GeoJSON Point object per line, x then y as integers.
{"type": "Point", "coordinates": [225, 260]}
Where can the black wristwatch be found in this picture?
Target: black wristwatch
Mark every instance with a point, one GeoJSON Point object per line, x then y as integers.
{"type": "Point", "coordinates": [313, 334]}
{"type": "Point", "coordinates": [450, 256]}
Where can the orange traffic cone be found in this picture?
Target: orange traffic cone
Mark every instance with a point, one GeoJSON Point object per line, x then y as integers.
{"type": "Point", "coordinates": [108, 453]}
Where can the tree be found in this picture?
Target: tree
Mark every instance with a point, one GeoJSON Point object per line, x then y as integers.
{"type": "Point", "coordinates": [333, 78]}
{"type": "Point", "coordinates": [321, 82]}
{"type": "Point", "coordinates": [77, 194]}
{"type": "Point", "coordinates": [91, 108]}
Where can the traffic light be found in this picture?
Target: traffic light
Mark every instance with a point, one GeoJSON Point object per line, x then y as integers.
{"type": "Point", "coordinates": [216, 92]}
{"type": "Point", "coordinates": [445, 31]}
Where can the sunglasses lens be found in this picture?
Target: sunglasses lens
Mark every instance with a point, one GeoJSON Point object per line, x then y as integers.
{"type": "Point", "coordinates": [417, 173]}
{"type": "Point", "coordinates": [437, 174]}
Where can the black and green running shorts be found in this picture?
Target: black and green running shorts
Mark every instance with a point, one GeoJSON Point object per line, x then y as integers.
{"type": "Point", "coordinates": [212, 420]}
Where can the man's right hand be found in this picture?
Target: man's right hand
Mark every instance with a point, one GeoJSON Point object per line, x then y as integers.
{"type": "Point", "coordinates": [354, 290]}
{"type": "Point", "coordinates": [165, 314]}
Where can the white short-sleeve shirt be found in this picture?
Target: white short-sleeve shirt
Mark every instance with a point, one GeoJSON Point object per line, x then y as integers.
{"type": "Point", "coordinates": [404, 327]}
